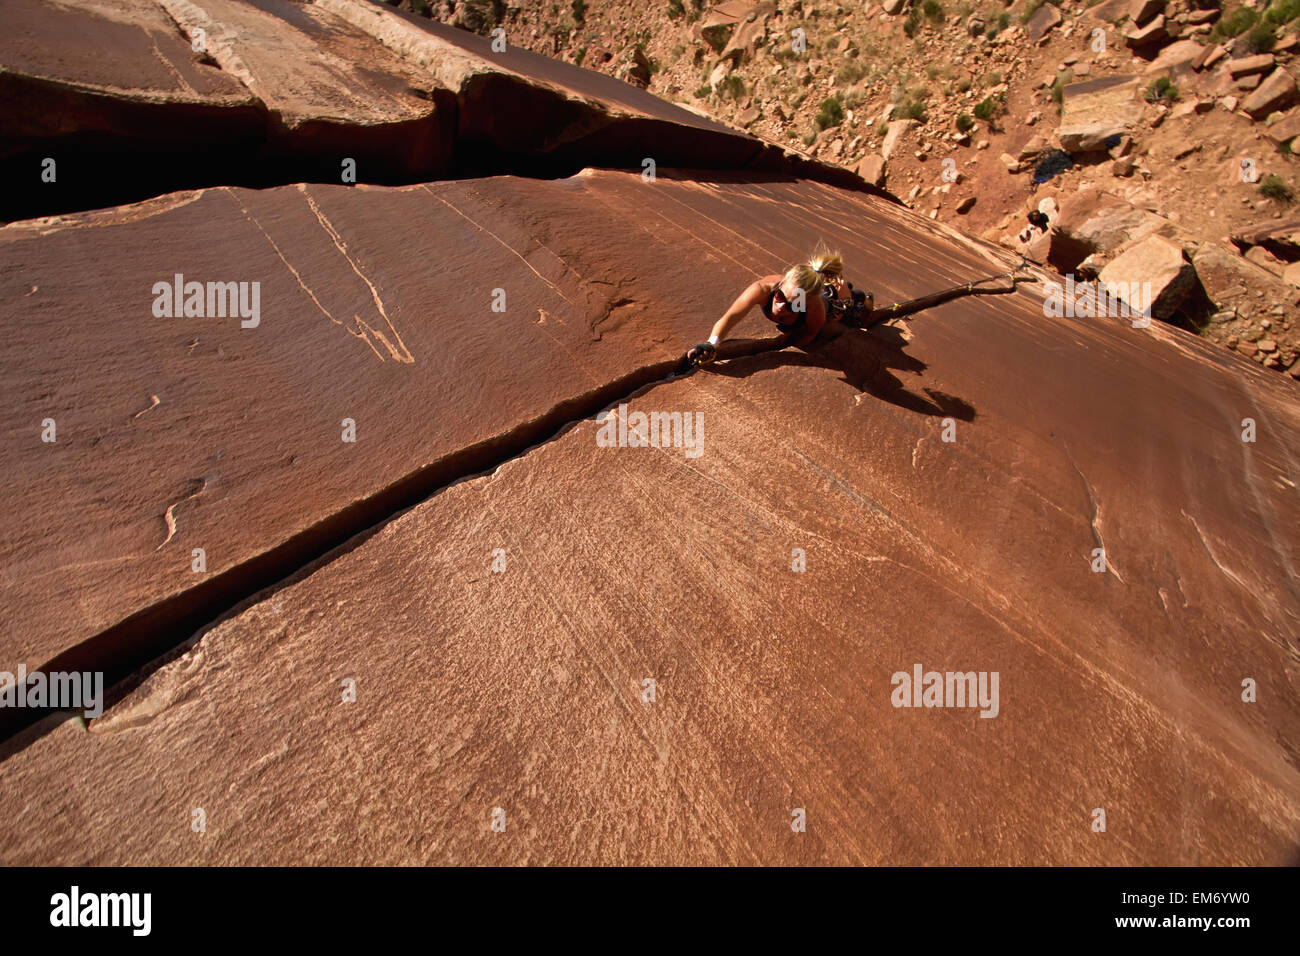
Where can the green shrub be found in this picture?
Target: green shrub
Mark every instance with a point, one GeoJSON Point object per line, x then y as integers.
{"type": "Point", "coordinates": [1161, 88]}
{"type": "Point", "coordinates": [1282, 11]}
{"type": "Point", "coordinates": [1242, 19]}
{"type": "Point", "coordinates": [733, 86]}
{"type": "Point", "coordinates": [1274, 187]}
{"type": "Point", "coordinates": [580, 56]}
{"type": "Point", "coordinates": [676, 9]}
{"type": "Point", "coordinates": [850, 72]}
{"type": "Point", "coordinates": [910, 109]}
{"type": "Point", "coordinates": [965, 123]}
{"type": "Point", "coordinates": [810, 137]}
{"type": "Point", "coordinates": [933, 10]}
{"type": "Point", "coordinates": [831, 113]}
{"type": "Point", "coordinates": [1261, 39]}
{"type": "Point", "coordinates": [703, 92]}
{"type": "Point", "coordinates": [579, 8]}
{"type": "Point", "coordinates": [912, 23]}
{"type": "Point", "coordinates": [985, 109]}
{"type": "Point", "coordinates": [482, 15]}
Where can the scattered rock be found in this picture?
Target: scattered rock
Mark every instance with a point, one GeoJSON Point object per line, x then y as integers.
{"type": "Point", "coordinates": [1161, 263]}
{"type": "Point", "coordinates": [1153, 34]}
{"type": "Point", "coordinates": [1247, 65]}
{"type": "Point", "coordinates": [1045, 18]}
{"type": "Point", "coordinates": [1275, 93]}
{"type": "Point", "coordinates": [872, 169]}
{"type": "Point", "coordinates": [897, 130]}
{"type": "Point", "coordinates": [1142, 11]}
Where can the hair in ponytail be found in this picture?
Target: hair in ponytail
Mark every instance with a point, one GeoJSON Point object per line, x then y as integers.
{"type": "Point", "coordinates": [823, 266]}
{"type": "Point", "coordinates": [829, 265]}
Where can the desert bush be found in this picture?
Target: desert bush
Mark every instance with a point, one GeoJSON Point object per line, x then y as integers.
{"type": "Point", "coordinates": [732, 86]}
{"type": "Point", "coordinates": [831, 113]}
{"type": "Point", "coordinates": [1261, 39]}
{"type": "Point", "coordinates": [1161, 88]}
{"type": "Point", "coordinates": [1282, 11]}
{"type": "Point", "coordinates": [910, 109]}
{"type": "Point", "coordinates": [1274, 187]}
{"type": "Point", "coordinates": [850, 72]}
{"type": "Point", "coordinates": [1241, 20]}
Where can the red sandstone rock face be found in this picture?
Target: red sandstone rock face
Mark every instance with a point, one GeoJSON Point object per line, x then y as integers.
{"type": "Point", "coordinates": [135, 99]}
{"type": "Point", "coordinates": [523, 688]}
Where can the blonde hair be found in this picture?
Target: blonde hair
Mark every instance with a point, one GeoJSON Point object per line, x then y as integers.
{"type": "Point", "coordinates": [822, 266]}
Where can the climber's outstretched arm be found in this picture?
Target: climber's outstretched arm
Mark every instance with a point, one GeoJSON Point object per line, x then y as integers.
{"type": "Point", "coordinates": [751, 297]}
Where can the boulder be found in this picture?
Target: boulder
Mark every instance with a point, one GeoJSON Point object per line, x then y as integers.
{"type": "Point", "coordinates": [872, 168]}
{"type": "Point", "coordinates": [1265, 260]}
{"type": "Point", "coordinates": [1142, 11]}
{"type": "Point", "coordinates": [1092, 221]}
{"type": "Point", "coordinates": [897, 130]}
{"type": "Point", "coordinates": [1152, 273]}
{"type": "Point", "coordinates": [1096, 110]}
{"type": "Point", "coordinates": [1151, 35]}
{"type": "Point", "coordinates": [1045, 18]}
{"type": "Point", "coordinates": [1244, 66]}
{"type": "Point", "coordinates": [1277, 92]}
{"type": "Point", "coordinates": [744, 43]}
{"type": "Point", "coordinates": [1286, 128]}
{"type": "Point", "coordinates": [438, 542]}
{"type": "Point", "coordinates": [1212, 55]}
{"type": "Point", "coordinates": [1279, 236]}
{"type": "Point", "coordinates": [1176, 58]}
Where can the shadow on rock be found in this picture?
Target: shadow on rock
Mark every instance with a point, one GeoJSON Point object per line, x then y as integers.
{"type": "Point", "coordinates": [866, 359]}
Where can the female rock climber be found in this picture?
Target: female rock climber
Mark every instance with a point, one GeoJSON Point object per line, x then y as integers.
{"type": "Point", "coordinates": [808, 299]}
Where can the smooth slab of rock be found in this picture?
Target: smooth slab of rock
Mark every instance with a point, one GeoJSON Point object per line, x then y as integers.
{"type": "Point", "coordinates": [375, 305]}
{"type": "Point", "coordinates": [667, 654]}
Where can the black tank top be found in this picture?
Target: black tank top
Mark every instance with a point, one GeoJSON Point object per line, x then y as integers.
{"type": "Point", "coordinates": [828, 294]}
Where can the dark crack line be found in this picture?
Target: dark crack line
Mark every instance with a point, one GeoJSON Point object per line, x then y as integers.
{"type": "Point", "coordinates": [130, 650]}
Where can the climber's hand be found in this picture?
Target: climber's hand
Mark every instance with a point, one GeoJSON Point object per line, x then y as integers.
{"type": "Point", "coordinates": [701, 354]}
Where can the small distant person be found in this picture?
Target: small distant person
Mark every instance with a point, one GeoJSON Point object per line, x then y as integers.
{"type": "Point", "coordinates": [1037, 226]}
{"type": "Point", "coordinates": [808, 299]}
